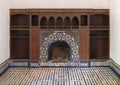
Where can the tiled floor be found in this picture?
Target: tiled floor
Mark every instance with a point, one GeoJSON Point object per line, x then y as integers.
{"type": "Point", "coordinates": [60, 76]}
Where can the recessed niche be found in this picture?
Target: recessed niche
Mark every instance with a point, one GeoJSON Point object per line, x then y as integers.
{"type": "Point", "coordinates": [19, 20]}
{"type": "Point", "coordinates": [59, 52]}
{"type": "Point", "coordinates": [84, 20]}
{"type": "Point", "coordinates": [99, 20]}
{"type": "Point", "coordinates": [59, 22]}
{"type": "Point", "coordinates": [20, 48]}
{"type": "Point", "coordinates": [34, 20]}
{"type": "Point", "coordinates": [67, 23]}
{"type": "Point", "coordinates": [51, 23]}
{"type": "Point", "coordinates": [75, 23]}
{"type": "Point", "coordinates": [43, 22]}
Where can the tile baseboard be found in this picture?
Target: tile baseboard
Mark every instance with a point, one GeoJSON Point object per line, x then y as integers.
{"type": "Point", "coordinates": [4, 66]}
{"type": "Point", "coordinates": [115, 67]}
{"type": "Point", "coordinates": [91, 63]}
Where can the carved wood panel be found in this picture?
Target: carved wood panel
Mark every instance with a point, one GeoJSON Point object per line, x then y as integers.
{"type": "Point", "coordinates": [84, 43]}
{"type": "Point", "coordinates": [34, 44]}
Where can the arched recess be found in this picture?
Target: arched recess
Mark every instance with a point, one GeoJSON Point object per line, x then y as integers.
{"type": "Point", "coordinates": [19, 20]}
{"type": "Point", "coordinates": [43, 22]}
{"type": "Point", "coordinates": [75, 22]}
{"type": "Point", "coordinates": [59, 22]}
{"type": "Point", "coordinates": [59, 51]}
{"type": "Point", "coordinates": [51, 22]}
{"type": "Point", "coordinates": [61, 36]}
{"type": "Point", "coordinates": [99, 20]}
{"type": "Point", "coordinates": [67, 22]}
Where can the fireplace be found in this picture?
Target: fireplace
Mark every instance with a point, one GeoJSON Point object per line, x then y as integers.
{"type": "Point", "coordinates": [59, 46]}
{"type": "Point", "coordinates": [59, 52]}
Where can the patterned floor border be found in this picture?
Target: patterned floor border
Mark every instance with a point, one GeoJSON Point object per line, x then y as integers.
{"type": "Point", "coordinates": [80, 64]}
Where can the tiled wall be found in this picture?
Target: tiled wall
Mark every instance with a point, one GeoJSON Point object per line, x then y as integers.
{"type": "Point", "coordinates": [19, 63]}
{"type": "Point", "coordinates": [115, 67]}
{"type": "Point", "coordinates": [100, 63]}
{"type": "Point", "coordinates": [4, 66]}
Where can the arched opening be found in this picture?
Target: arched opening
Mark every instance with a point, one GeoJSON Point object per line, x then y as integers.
{"type": "Point", "coordinates": [102, 20]}
{"type": "Point", "coordinates": [67, 22]}
{"type": "Point", "coordinates": [75, 22]}
{"type": "Point", "coordinates": [59, 52]}
{"type": "Point", "coordinates": [19, 20]}
{"type": "Point", "coordinates": [51, 22]}
{"type": "Point", "coordinates": [59, 22]}
{"type": "Point", "coordinates": [43, 22]}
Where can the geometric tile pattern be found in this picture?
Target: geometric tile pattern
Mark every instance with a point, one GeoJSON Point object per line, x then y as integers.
{"type": "Point", "coordinates": [60, 76]}
{"type": "Point", "coordinates": [40, 64]}
{"type": "Point", "coordinates": [58, 64]}
{"type": "Point", "coordinates": [4, 66]}
{"type": "Point", "coordinates": [115, 66]}
{"type": "Point", "coordinates": [83, 63]}
{"type": "Point", "coordinates": [100, 63]}
{"type": "Point", "coordinates": [59, 36]}
{"type": "Point", "coordinates": [22, 63]}
{"type": "Point", "coordinates": [27, 63]}
{"type": "Point", "coordinates": [18, 63]}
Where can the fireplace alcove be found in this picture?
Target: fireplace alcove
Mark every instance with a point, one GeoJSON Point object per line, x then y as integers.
{"type": "Point", "coordinates": [59, 46]}
{"type": "Point", "coordinates": [59, 52]}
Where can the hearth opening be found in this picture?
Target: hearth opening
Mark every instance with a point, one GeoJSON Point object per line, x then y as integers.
{"type": "Point", "coordinates": [59, 52]}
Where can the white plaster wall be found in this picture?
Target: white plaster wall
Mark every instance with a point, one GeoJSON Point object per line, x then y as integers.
{"type": "Point", "coordinates": [4, 30]}
{"type": "Point", "coordinates": [115, 30]}
{"type": "Point", "coordinates": [59, 3]}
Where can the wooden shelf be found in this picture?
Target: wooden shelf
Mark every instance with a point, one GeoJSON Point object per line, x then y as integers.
{"type": "Point", "coordinates": [19, 27]}
{"type": "Point", "coordinates": [100, 29]}
{"type": "Point", "coordinates": [99, 58]}
{"type": "Point", "coordinates": [19, 33]}
{"type": "Point", "coordinates": [99, 37]}
{"type": "Point", "coordinates": [99, 26]}
{"type": "Point", "coordinates": [62, 27]}
{"type": "Point", "coordinates": [19, 37]}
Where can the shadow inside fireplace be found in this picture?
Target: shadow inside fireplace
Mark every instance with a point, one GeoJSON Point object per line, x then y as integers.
{"type": "Point", "coordinates": [59, 52]}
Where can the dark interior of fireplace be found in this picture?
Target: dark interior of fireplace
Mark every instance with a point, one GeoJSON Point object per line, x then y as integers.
{"type": "Point", "coordinates": [59, 52]}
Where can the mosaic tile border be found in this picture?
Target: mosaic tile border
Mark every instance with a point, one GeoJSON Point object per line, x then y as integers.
{"type": "Point", "coordinates": [19, 63]}
{"type": "Point", "coordinates": [115, 67]}
{"type": "Point", "coordinates": [4, 66]}
{"type": "Point", "coordinates": [69, 64]}
{"type": "Point", "coordinates": [100, 63]}
{"type": "Point", "coordinates": [91, 63]}
{"type": "Point", "coordinates": [34, 64]}
{"type": "Point", "coordinates": [84, 63]}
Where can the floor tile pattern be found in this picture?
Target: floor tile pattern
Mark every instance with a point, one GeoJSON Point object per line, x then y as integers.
{"type": "Point", "coordinates": [60, 76]}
